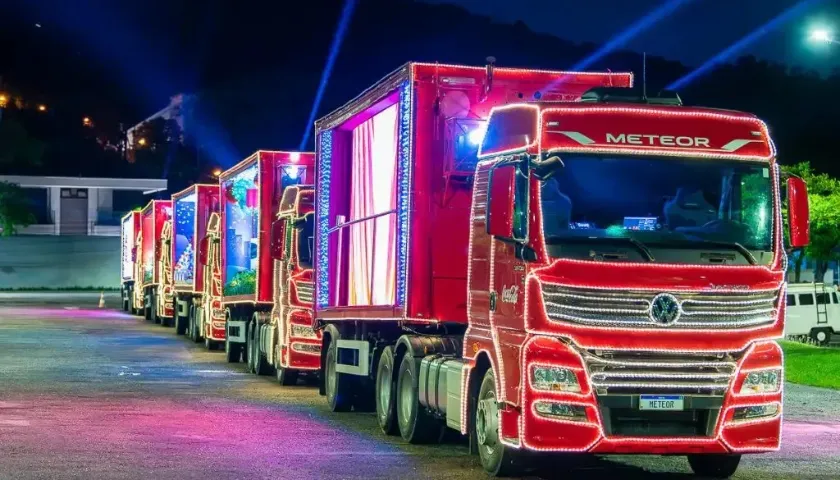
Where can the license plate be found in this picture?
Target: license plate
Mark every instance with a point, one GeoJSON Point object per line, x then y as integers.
{"type": "Point", "coordinates": [660, 402]}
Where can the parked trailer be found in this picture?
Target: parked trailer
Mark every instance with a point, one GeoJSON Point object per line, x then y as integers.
{"type": "Point", "coordinates": [155, 243]}
{"type": "Point", "coordinates": [207, 319]}
{"type": "Point", "coordinates": [250, 197]}
{"type": "Point", "coordinates": [552, 280]}
{"type": "Point", "coordinates": [129, 233]}
{"type": "Point", "coordinates": [192, 208]}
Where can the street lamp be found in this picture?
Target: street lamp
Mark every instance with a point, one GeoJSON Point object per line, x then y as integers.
{"type": "Point", "coordinates": [3, 100]}
{"type": "Point", "coordinates": [141, 142]}
{"type": "Point", "coordinates": [86, 121]}
{"type": "Point", "coordinates": [42, 108]}
{"type": "Point", "coordinates": [822, 35]}
{"type": "Point", "coordinates": [217, 172]}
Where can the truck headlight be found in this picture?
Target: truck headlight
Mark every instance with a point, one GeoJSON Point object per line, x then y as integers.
{"type": "Point", "coordinates": [560, 410]}
{"type": "Point", "coordinates": [554, 379]}
{"type": "Point", "coordinates": [743, 414]}
{"type": "Point", "coordinates": [762, 381]}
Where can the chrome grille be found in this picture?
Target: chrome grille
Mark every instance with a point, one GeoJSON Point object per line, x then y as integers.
{"type": "Point", "coordinates": [305, 291]}
{"type": "Point", "coordinates": [659, 373]}
{"type": "Point", "coordinates": [632, 308]}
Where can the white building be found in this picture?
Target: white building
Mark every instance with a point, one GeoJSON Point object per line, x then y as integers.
{"type": "Point", "coordinates": [83, 205]}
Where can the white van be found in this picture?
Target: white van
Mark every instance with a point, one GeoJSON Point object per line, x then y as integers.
{"type": "Point", "coordinates": [812, 313]}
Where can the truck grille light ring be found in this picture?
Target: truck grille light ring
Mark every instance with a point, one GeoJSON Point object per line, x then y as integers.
{"type": "Point", "coordinates": [678, 310]}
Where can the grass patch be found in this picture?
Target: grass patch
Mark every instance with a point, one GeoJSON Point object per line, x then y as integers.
{"type": "Point", "coordinates": [810, 365]}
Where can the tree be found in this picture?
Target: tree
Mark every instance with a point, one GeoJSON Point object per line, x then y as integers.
{"type": "Point", "coordinates": [14, 209]}
{"type": "Point", "coordinates": [824, 204]}
{"type": "Point", "coordinates": [16, 148]}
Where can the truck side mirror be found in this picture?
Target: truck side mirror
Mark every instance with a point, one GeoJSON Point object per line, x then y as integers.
{"type": "Point", "coordinates": [278, 231]}
{"type": "Point", "coordinates": [500, 201]}
{"type": "Point", "coordinates": [203, 247]}
{"type": "Point", "coordinates": [799, 223]}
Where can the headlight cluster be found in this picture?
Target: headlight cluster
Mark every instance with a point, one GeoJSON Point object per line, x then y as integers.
{"type": "Point", "coordinates": [554, 379]}
{"type": "Point", "coordinates": [560, 410]}
{"type": "Point", "coordinates": [751, 413]}
{"type": "Point", "coordinates": [762, 381]}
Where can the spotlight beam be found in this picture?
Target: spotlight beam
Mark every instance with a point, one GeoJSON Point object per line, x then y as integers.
{"type": "Point", "coordinates": [335, 47]}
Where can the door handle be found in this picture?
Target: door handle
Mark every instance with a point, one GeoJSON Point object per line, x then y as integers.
{"type": "Point", "coordinates": [492, 301]}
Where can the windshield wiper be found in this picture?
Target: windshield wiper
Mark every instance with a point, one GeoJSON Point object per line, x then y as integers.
{"type": "Point", "coordinates": [639, 246]}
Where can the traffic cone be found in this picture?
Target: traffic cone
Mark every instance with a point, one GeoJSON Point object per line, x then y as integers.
{"type": "Point", "coordinates": [102, 300]}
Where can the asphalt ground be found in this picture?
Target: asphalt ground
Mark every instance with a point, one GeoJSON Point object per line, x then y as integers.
{"type": "Point", "coordinates": [94, 393]}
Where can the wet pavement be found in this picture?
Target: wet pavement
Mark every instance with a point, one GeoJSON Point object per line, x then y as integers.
{"type": "Point", "coordinates": [94, 393]}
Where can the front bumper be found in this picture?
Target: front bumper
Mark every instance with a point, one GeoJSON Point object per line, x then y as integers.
{"type": "Point", "coordinates": [613, 423]}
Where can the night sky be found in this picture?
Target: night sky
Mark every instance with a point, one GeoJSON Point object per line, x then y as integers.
{"type": "Point", "coordinates": [695, 31]}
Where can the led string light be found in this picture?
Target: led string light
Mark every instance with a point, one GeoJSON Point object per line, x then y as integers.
{"type": "Point", "coordinates": [627, 75]}
{"type": "Point", "coordinates": [404, 159]}
{"type": "Point", "coordinates": [650, 111]}
{"type": "Point", "coordinates": [323, 208]}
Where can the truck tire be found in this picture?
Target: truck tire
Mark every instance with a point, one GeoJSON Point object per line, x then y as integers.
{"type": "Point", "coordinates": [261, 365]}
{"type": "Point", "coordinates": [286, 376]}
{"type": "Point", "coordinates": [415, 422]}
{"type": "Point", "coordinates": [496, 458]}
{"type": "Point", "coordinates": [147, 311]}
{"type": "Point", "coordinates": [386, 393]}
{"type": "Point", "coordinates": [338, 386]}
{"type": "Point", "coordinates": [714, 465]}
{"type": "Point", "coordinates": [181, 323]}
{"type": "Point", "coordinates": [192, 325]}
{"type": "Point", "coordinates": [821, 336]}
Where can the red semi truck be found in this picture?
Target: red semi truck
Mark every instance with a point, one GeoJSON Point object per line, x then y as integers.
{"type": "Point", "coordinates": [548, 263]}
{"type": "Point", "coordinates": [207, 318]}
{"type": "Point", "coordinates": [129, 232]}
{"type": "Point", "coordinates": [192, 208]}
{"type": "Point", "coordinates": [155, 244]}
{"type": "Point", "coordinates": [250, 198]}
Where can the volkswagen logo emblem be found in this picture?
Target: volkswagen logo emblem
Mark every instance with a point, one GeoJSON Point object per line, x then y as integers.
{"type": "Point", "coordinates": [665, 309]}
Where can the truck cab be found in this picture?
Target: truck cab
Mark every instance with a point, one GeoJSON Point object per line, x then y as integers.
{"type": "Point", "coordinates": [207, 319]}
{"type": "Point", "coordinates": [289, 342]}
{"type": "Point", "coordinates": [629, 260]}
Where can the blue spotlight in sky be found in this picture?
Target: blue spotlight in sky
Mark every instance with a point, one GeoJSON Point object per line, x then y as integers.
{"type": "Point", "coordinates": [639, 26]}
{"type": "Point", "coordinates": [344, 21]}
{"type": "Point", "coordinates": [730, 51]}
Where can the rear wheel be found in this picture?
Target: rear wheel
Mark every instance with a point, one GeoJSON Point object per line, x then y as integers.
{"type": "Point", "coordinates": [714, 466]}
{"type": "Point", "coordinates": [496, 458]}
{"type": "Point", "coordinates": [147, 306]}
{"type": "Point", "coordinates": [386, 393]}
{"type": "Point", "coordinates": [415, 422]}
{"type": "Point", "coordinates": [233, 351]}
{"type": "Point", "coordinates": [261, 365]}
{"type": "Point", "coordinates": [337, 385]}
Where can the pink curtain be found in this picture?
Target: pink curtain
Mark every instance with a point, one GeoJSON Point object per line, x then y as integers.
{"type": "Point", "coordinates": [372, 243]}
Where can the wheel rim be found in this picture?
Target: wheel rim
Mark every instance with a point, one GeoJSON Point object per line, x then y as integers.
{"type": "Point", "coordinates": [487, 423]}
{"type": "Point", "coordinates": [821, 336]}
{"type": "Point", "coordinates": [385, 390]}
{"type": "Point", "coordinates": [406, 401]}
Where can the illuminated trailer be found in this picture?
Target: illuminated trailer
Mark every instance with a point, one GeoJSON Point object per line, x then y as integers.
{"type": "Point", "coordinates": [129, 233]}
{"type": "Point", "coordinates": [250, 197]}
{"type": "Point", "coordinates": [192, 208]}
{"type": "Point", "coordinates": [552, 262]}
{"type": "Point", "coordinates": [154, 263]}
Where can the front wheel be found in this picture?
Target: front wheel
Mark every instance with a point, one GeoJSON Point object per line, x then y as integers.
{"type": "Point", "coordinates": [497, 459]}
{"type": "Point", "coordinates": [714, 465]}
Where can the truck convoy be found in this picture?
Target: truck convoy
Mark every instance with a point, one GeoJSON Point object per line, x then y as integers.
{"type": "Point", "coordinates": [129, 232]}
{"type": "Point", "coordinates": [192, 208]}
{"type": "Point", "coordinates": [605, 275]}
{"type": "Point", "coordinates": [154, 244]}
{"type": "Point", "coordinates": [543, 261]}
{"type": "Point", "coordinates": [251, 194]}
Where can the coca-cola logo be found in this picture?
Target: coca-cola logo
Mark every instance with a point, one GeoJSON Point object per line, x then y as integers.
{"type": "Point", "coordinates": [510, 294]}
